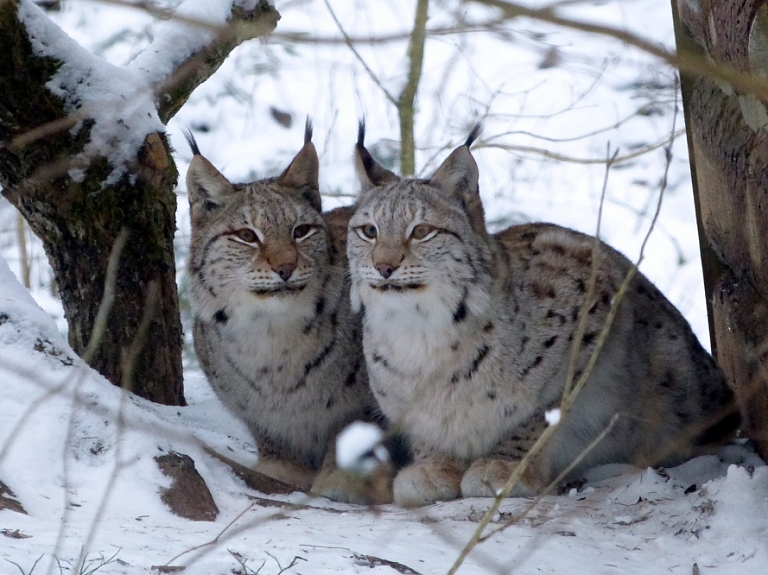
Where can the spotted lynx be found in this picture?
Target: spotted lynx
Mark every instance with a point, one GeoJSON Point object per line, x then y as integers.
{"type": "Point", "coordinates": [273, 328]}
{"type": "Point", "coordinates": [467, 337]}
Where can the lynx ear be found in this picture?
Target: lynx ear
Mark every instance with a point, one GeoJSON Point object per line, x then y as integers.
{"type": "Point", "coordinates": [207, 188]}
{"type": "Point", "coordinates": [458, 177]}
{"type": "Point", "coordinates": [369, 171]}
{"type": "Point", "coordinates": [302, 173]}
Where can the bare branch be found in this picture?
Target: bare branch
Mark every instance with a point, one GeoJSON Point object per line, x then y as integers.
{"type": "Point", "coordinates": [359, 58]}
{"type": "Point", "coordinates": [550, 155]}
{"type": "Point", "coordinates": [172, 91]}
{"type": "Point", "coordinates": [405, 103]}
{"type": "Point", "coordinates": [685, 61]}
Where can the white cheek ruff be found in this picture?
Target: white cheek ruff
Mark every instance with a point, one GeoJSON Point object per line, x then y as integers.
{"type": "Point", "coordinates": [407, 315]}
{"type": "Point", "coordinates": [286, 305]}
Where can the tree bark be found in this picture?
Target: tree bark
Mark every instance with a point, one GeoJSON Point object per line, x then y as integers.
{"type": "Point", "coordinates": [79, 219]}
{"type": "Point", "coordinates": [728, 147]}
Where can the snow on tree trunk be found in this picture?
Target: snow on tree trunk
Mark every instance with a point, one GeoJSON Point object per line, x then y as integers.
{"type": "Point", "coordinates": [83, 156]}
{"type": "Point", "coordinates": [729, 158]}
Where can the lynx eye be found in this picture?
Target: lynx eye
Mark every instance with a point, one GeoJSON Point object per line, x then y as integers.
{"type": "Point", "coordinates": [367, 232]}
{"type": "Point", "coordinates": [303, 231]}
{"type": "Point", "coordinates": [423, 232]}
{"type": "Point", "coordinates": [247, 235]}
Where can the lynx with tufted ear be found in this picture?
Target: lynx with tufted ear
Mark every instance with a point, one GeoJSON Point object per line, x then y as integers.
{"type": "Point", "coordinates": [208, 190]}
{"type": "Point", "coordinates": [370, 172]}
{"type": "Point", "coordinates": [302, 173]}
{"type": "Point", "coordinates": [274, 332]}
{"type": "Point", "coordinates": [468, 337]}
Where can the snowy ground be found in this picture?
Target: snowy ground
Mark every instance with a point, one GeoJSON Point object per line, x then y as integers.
{"type": "Point", "coordinates": [78, 454]}
{"type": "Point", "coordinates": [61, 432]}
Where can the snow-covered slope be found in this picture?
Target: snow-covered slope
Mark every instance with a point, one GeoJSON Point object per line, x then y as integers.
{"type": "Point", "coordinates": [79, 454]}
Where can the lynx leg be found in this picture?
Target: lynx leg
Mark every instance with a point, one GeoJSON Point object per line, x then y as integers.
{"type": "Point", "coordinates": [349, 486]}
{"type": "Point", "coordinates": [287, 472]}
{"type": "Point", "coordinates": [487, 476]}
{"type": "Point", "coordinates": [428, 481]}
{"type": "Point", "coordinates": [270, 463]}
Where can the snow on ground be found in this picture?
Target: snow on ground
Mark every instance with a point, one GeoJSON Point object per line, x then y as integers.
{"type": "Point", "coordinates": [63, 428]}
{"type": "Point", "coordinates": [79, 455]}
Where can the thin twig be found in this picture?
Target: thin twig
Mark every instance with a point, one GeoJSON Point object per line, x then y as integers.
{"type": "Point", "coordinates": [359, 58]}
{"type": "Point", "coordinates": [550, 155]}
{"type": "Point", "coordinates": [93, 344]}
{"type": "Point", "coordinates": [100, 323]}
{"type": "Point", "coordinates": [215, 539]}
{"type": "Point", "coordinates": [21, 238]}
{"type": "Point", "coordinates": [569, 398]}
{"type": "Point", "coordinates": [555, 482]}
{"type": "Point", "coordinates": [127, 384]}
{"type": "Point", "coordinates": [589, 300]}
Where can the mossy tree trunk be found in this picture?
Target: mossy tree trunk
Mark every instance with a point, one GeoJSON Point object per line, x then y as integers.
{"type": "Point", "coordinates": [728, 146]}
{"type": "Point", "coordinates": [80, 219]}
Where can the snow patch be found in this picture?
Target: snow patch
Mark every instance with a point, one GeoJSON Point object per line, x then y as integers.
{"type": "Point", "coordinates": [552, 416]}
{"type": "Point", "coordinates": [249, 5]}
{"type": "Point", "coordinates": [358, 447]}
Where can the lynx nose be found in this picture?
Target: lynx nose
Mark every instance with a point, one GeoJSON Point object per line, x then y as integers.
{"type": "Point", "coordinates": [285, 271]}
{"type": "Point", "coordinates": [386, 269]}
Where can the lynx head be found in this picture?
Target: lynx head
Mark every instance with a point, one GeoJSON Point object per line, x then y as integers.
{"type": "Point", "coordinates": [264, 242]}
{"type": "Point", "coordinates": [411, 238]}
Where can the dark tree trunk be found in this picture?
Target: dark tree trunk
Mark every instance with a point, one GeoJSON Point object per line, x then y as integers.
{"type": "Point", "coordinates": [728, 146]}
{"type": "Point", "coordinates": [80, 221]}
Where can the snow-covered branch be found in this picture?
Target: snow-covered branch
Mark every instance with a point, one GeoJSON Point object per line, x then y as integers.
{"type": "Point", "coordinates": [191, 46]}
{"type": "Point", "coordinates": [121, 106]}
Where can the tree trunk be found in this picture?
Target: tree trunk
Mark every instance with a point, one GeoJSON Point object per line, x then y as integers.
{"type": "Point", "coordinates": [728, 147]}
{"type": "Point", "coordinates": [80, 218]}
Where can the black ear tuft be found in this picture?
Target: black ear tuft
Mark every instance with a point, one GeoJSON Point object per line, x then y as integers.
{"type": "Point", "coordinates": [365, 156]}
{"type": "Point", "coordinates": [370, 172]}
{"type": "Point", "coordinates": [458, 178]}
{"type": "Point", "coordinates": [208, 189]}
{"type": "Point", "coordinates": [191, 141]}
{"type": "Point", "coordinates": [302, 173]}
{"type": "Point", "coordinates": [361, 134]}
{"type": "Point", "coordinates": [474, 134]}
{"type": "Point", "coordinates": [366, 159]}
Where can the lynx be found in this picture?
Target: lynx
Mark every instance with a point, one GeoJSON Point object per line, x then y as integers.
{"type": "Point", "coordinates": [467, 338]}
{"type": "Point", "coordinates": [273, 329]}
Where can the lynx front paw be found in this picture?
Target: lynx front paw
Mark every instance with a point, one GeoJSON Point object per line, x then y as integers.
{"type": "Point", "coordinates": [286, 472]}
{"type": "Point", "coordinates": [426, 482]}
{"type": "Point", "coordinates": [487, 477]}
{"type": "Point", "coordinates": [350, 487]}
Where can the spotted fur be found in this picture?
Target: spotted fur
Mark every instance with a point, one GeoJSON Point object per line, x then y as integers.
{"type": "Point", "coordinates": [273, 328]}
{"type": "Point", "coordinates": [467, 337]}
